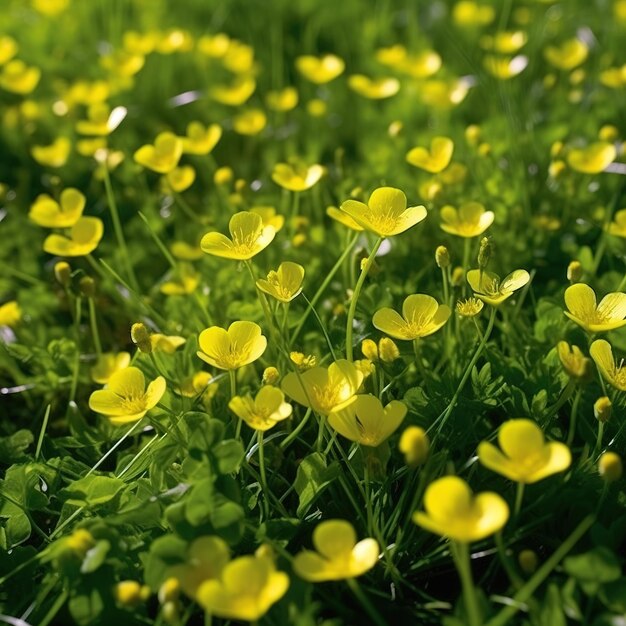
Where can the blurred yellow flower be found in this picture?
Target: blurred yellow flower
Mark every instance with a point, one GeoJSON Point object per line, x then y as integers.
{"type": "Point", "coordinates": [99, 122]}
{"type": "Point", "coordinates": [593, 159]}
{"type": "Point", "coordinates": [84, 238]}
{"type": "Point", "coordinates": [17, 77]}
{"type": "Point", "coordinates": [453, 511]}
{"type": "Point", "coordinates": [568, 55]}
{"type": "Point", "coordinates": [186, 252]}
{"type": "Point", "coordinates": [618, 226]}
{"type": "Point", "coordinates": [491, 290]}
{"type": "Point", "coordinates": [614, 373]}
{"type": "Point", "coordinates": [235, 94]}
{"type": "Point", "coordinates": [126, 398]}
{"type": "Point", "coordinates": [239, 57]}
{"type": "Point", "coordinates": [231, 349]}
{"type": "Point", "coordinates": [443, 94]}
{"type": "Point", "coordinates": [166, 343]}
{"type": "Point", "coordinates": [385, 213]}
{"type": "Point", "coordinates": [434, 160]}
{"type": "Point", "coordinates": [504, 42]}
{"type": "Point", "coordinates": [53, 155]}
{"type": "Point", "coordinates": [214, 46]}
{"type": "Point", "coordinates": [201, 139]}
{"type": "Point", "coordinates": [249, 236]}
{"type": "Point", "coordinates": [470, 220]}
{"type": "Point", "coordinates": [415, 445]}
{"type": "Point", "coordinates": [574, 362]}
{"type": "Point", "coordinates": [324, 389]}
{"type": "Point", "coordinates": [162, 156]}
{"type": "Point", "coordinates": [505, 67]}
{"type": "Point", "coordinates": [107, 364]}
{"type": "Point", "coordinates": [49, 213]}
{"type": "Point", "coordinates": [250, 122]}
{"type": "Point", "coordinates": [320, 70]}
{"type": "Point", "coordinates": [580, 300]}
{"type": "Point", "coordinates": [374, 88]}
{"type": "Point", "coordinates": [365, 421]}
{"type": "Point", "coordinates": [122, 63]}
{"type": "Point", "coordinates": [296, 177]}
{"type": "Point", "coordinates": [269, 216]}
{"type": "Point", "coordinates": [183, 281]}
{"type": "Point", "coordinates": [337, 554]}
{"type": "Point", "coordinates": [285, 283]}
{"type": "Point", "coordinates": [283, 100]}
{"type": "Point", "coordinates": [525, 456]}
{"type": "Point", "coordinates": [50, 8]}
{"type": "Point", "coordinates": [421, 316]}
{"type": "Point", "coordinates": [10, 313]}
{"type": "Point", "coordinates": [470, 13]}
{"type": "Point", "coordinates": [180, 178]}
{"type": "Point", "coordinates": [8, 48]}
{"type": "Point", "coordinates": [263, 411]}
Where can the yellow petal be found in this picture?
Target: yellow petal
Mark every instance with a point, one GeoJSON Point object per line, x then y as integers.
{"type": "Point", "coordinates": [334, 537]}
{"type": "Point", "coordinates": [559, 458]}
{"type": "Point", "coordinates": [392, 323]}
{"type": "Point", "coordinates": [127, 382]}
{"type": "Point", "coordinates": [520, 439]}
{"type": "Point", "coordinates": [155, 392]}
{"type": "Point", "coordinates": [580, 299]}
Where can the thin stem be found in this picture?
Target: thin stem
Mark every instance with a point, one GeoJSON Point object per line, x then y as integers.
{"type": "Point", "coordinates": [42, 431]}
{"type": "Point", "coordinates": [572, 420]}
{"type": "Point", "coordinates": [418, 358]}
{"type": "Point", "coordinates": [296, 431]}
{"type": "Point", "coordinates": [264, 487]}
{"type": "Point", "coordinates": [94, 326]}
{"type": "Point", "coordinates": [232, 377]}
{"type": "Point", "coordinates": [371, 611]}
{"type": "Point", "coordinates": [355, 297]}
{"type": "Point", "coordinates": [320, 433]}
{"type": "Point", "coordinates": [598, 446]}
{"type": "Point", "coordinates": [460, 554]}
{"type": "Point", "coordinates": [519, 498]}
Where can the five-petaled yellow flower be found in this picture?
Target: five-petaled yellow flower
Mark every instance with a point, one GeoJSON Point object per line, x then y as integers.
{"type": "Point", "coordinates": [324, 389]}
{"type": "Point", "coordinates": [491, 290]}
{"type": "Point", "coordinates": [525, 456]}
{"type": "Point", "coordinates": [453, 511]}
{"type": "Point", "coordinates": [366, 421]}
{"type": "Point", "coordinates": [231, 349]}
{"type": "Point", "coordinates": [320, 70]}
{"type": "Point", "coordinates": [248, 237]}
{"type": "Point", "coordinates": [126, 398]}
{"type": "Point", "coordinates": [434, 160]}
{"type": "Point", "coordinates": [338, 555]}
{"type": "Point", "coordinates": [609, 314]}
{"type": "Point", "coordinates": [285, 283]}
{"type": "Point", "coordinates": [470, 220]}
{"type": "Point", "coordinates": [84, 238]}
{"type": "Point", "coordinates": [49, 213]}
{"type": "Point", "coordinates": [602, 353]}
{"type": "Point", "coordinates": [263, 411]}
{"type": "Point", "coordinates": [421, 316]}
{"type": "Point", "coordinates": [374, 88]}
{"type": "Point", "coordinates": [163, 156]}
{"type": "Point", "coordinates": [296, 176]}
{"type": "Point", "coordinates": [385, 213]}
{"type": "Point", "coordinates": [200, 139]}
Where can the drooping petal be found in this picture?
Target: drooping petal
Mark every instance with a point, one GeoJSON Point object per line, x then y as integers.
{"type": "Point", "coordinates": [334, 537]}
{"type": "Point", "coordinates": [155, 392]}
{"type": "Point", "coordinates": [559, 458]}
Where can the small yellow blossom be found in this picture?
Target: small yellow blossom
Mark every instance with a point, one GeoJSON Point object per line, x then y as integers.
{"type": "Point", "coordinates": [197, 383]}
{"type": "Point", "coordinates": [470, 220]}
{"type": "Point", "coordinates": [162, 156]}
{"type": "Point", "coordinates": [296, 177]}
{"type": "Point", "coordinates": [303, 361]}
{"type": "Point", "coordinates": [107, 364]}
{"type": "Point", "coordinates": [593, 159]}
{"type": "Point", "coordinates": [200, 139]}
{"type": "Point", "coordinates": [8, 48]}
{"type": "Point", "coordinates": [50, 8]}
{"type": "Point", "coordinates": [53, 155]}
{"type": "Point", "coordinates": [183, 281]}
{"type": "Point", "coordinates": [504, 42]}
{"type": "Point", "coordinates": [269, 216]}
{"type": "Point", "coordinates": [49, 213]}
{"type": "Point", "coordinates": [469, 307]}
{"type": "Point", "coordinates": [250, 122]}
{"type": "Point", "coordinates": [128, 593]}
{"type": "Point", "coordinates": [443, 94]}
{"type": "Point", "coordinates": [435, 159]}
{"type": "Point", "coordinates": [525, 456]}
{"type": "Point", "coordinates": [374, 88]}
{"type": "Point", "coordinates": [614, 373]}
{"type": "Point", "coordinates": [320, 70]}
{"type": "Point", "coordinates": [10, 313]}
{"type": "Point", "coordinates": [415, 445]}
{"type": "Point", "coordinates": [574, 362]}
{"type": "Point", "coordinates": [388, 350]}
{"type": "Point", "coordinates": [284, 100]}
{"type": "Point", "coordinates": [126, 398]}
{"type": "Point", "coordinates": [235, 94]}
{"type": "Point", "coordinates": [285, 283]}
{"type": "Point", "coordinates": [580, 300]}
{"type": "Point", "coordinates": [263, 411]}
{"type": "Point", "coordinates": [610, 467]}
{"type": "Point", "coordinates": [568, 55]}
{"type": "Point", "coordinates": [337, 554]}
{"type": "Point", "coordinates": [84, 238]}
{"type": "Point", "coordinates": [166, 343]}
{"type": "Point", "coordinates": [470, 13]}
{"type": "Point", "coordinates": [421, 316]}
{"type": "Point", "coordinates": [231, 349]}
{"type": "Point", "coordinates": [603, 409]}
{"type": "Point", "coordinates": [17, 77]}
{"type": "Point", "coordinates": [505, 67]}
{"type": "Point", "coordinates": [490, 289]}
{"type": "Point", "coordinates": [101, 121]}
{"type": "Point", "coordinates": [180, 178]}
{"type": "Point", "coordinates": [186, 252]}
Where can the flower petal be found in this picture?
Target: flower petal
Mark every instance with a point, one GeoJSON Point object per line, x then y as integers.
{"type": "Point", "coordinates": [580, 299]}
{"type": "Point", "coordinates": [391, 323]}
{"type": "Point", "coordinates": [334, 537]}
{"type": "Point", "coordinates": [520, 439]}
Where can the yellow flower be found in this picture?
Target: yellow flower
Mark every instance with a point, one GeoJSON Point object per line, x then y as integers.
{"type": "Point", "coordinates": [568, 55]}
{"type": "Point", "coordinates": [434, 160]}
{"type": "Point", "coordinates": [166, 343]}
{"type": "Point", "coordinates": [320, 70]}
{"type": "Point", "coordinates": [303, 361]}
{"type": "Point", "coordinates": [285, 283]}
{"type": "Point", "coordinates": [126, 398]}
{"type": "Point", "coordinates": [84, 238]}
{"type": "Point", "coordinates": [245, 590]}
{"type": "Point", "coordinates": [197, 383]}
{"type": "Point", "coordinates": [54, 155]}
{"type": "Point", "coordinates": [269, 216]}
{"type": "Point", "coordinates": [444, 94]}
{"type": "Point", "coordinates": [101, 121]}
{"type": "Point", "coordinates": [50, 8]}
{"type": "Point", "coordinates": [250, 122]}
{"type": "Point", "coordinates": [580, 299]}
{"type": "Point", "coordinates": [338, 555]}
{"type": "Point", "coordinates": [453, 511]}
{"type": "Point", "coordinates": [505, 67]}
{"type": "Point", "coordinates": [470, 220]}
{"type": "Point", "coordinates": [186, 252]}
{"type": "Point", "coordinates": [491, 290]}
{"type": "Point", "coordinates": [284, 100]}
{"type": "Point", "coordinates": [122, 63]}
{"type": "Point", "coordinates": [613, 77]}
{"type": "Point", "coordinates": [525, 457]}
{"type": "Point", "coordinates": [235, 94]}
{"type": "Point", "coordinates": [182, 282]}
{"type": "Point", "coordinates": [574, 362]}
{"type": "Point", "coordinates": [388, 350]}
{"type": "Point", "coordinates": [385, 213]}
{"type": "Point", "coordinates": [324, 389]}
{"type": "Point", "coordinates": [504, 42]}
{"type": "Point", "coordinates": [343, 218]}
{"type": "Point", "coordinates": [610, 467]}
{"type": "Point", "coordinates": [374, 88]}
{"type": "Point", "coordinates": [366, 421]}
{"type": "Point", "coordinates": [231, 349]}
{"type": "Point", "coordinates": [180, 178]}
{"type": "Point", "coordinates": [421, 316]}
{"type": "Point", "coordinates": [593, 159]}
{"type": "Point", "coordinates": [8, 48]}
{"type": "Point", "coordinates": [415, 445]}
{"type": "Point", "coordinates": [52, 214]}
{"type": "Point", "coordinates": [214, 46]}
{"type": "Point", "coordinates": [107, 364]}
{"type": "Point", "coordinates": [239, 57]}
{"type": "Point", "coordinates": [470, 13]}
{"type": "Point", "coordinates": [162, 156]}
{"type": "Point", "coordinates": [17, 77]}
{"type": "Point", "coordinates": [200, 139]}
{"type": "Point", "coordinates": [264, 411]}
{"type": "Point", "coordinates": [602, 353]}
{"type": "Point", "coordinates": [249, 236]}
{"type": "Point", "coordinates": [296, 177]}
{"type": "Point", "coordinates": [469, 307]}
{"type": "Point", "coordinates": [10, 313]}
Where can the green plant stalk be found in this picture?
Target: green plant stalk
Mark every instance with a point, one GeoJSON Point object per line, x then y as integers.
{"type": "Point", "coordinates": [264, 486]}
{"type": "Point", "coordinates": [367, 605]}
{"type": "Point", "coordinates": [296, 431]}
{"type": "Point", "coordinates": [320, 433]}
{"type": "Point", "coordinates": [519, 498]}
{"type": "Point", "coordinates": [94, 326]}
{"type": "Point", "coordinates": [598, 446]}
{"type": "Point", "coordinates": [514, 578]}
{"type": "Point", "coordinates": [461, 557]}
{"type": "Point", "coordinates": [573, 415]}
{"type": "Point", "coordinates": [355, 298]}
{"type": "Point", "coordinates": [42, 432]}
{"type": "Point", "coordinates": [418, 358]}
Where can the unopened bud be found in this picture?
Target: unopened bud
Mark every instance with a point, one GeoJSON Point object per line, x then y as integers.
{"type": "Point", "coordinates": [442, 257]}
{"type": "Point", "coordinates": [574, 272]}
{"type": "Point", "coordinates": [610, 467]}
{"type": "Point", "coordinates": [472, 134]}
{"type": "Point", "coordinates": [458, 274]}
{"type": "Point", "coordinates": [369, 349]}
{"type": "Point", "coordinates": [223, 175]}
{"type": "Point", "coordinates": [87, 286]}
{"type": "Point", "coordinates": [387, 350]}
{"type": "Point", "coordinates": [609, 133]}
{"type": "Point", "coordinates": [414, 444]}
{"type": "Point", "coordinates": [141, 337]}
{"type": "Point", "coordinates": [169, 591]}
{"type": "Point", "coordinates": [270, 376]}
{"type": "Point", "coordinates": [170, 612]}
{"type": "Point", "coordinates": [128, 593]}
{"type": "Point", "coordinates": [602, 409]}
{"type": "Point", "coordinates": [528, 561]}
{"type": "Point", "coordinates": [63, 273]}
{"type": "Point", "coordinates": [484, 253]}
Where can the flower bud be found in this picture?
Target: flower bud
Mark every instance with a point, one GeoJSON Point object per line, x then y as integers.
{"type": "Point", "coordinates": [302, 361]}
{"type": "Point", "coordinates": [484, 252]}
{"type": "Point", "coordinates": [128, 593]}
{"type": "Point", "coordinates": [414, 444]}
{"type": "Point", "coordinates": [602, 409]}
{"type": "Point", "coordinates": [365, 366]}
{"type": "Point", "coordinates": [484, 149]}
{"type": "Point", "coordinates": [458, 274]}
{"type": "Point", "coordinates": [442, 257]}
{"type": "Point", "coordinates": [63, 273]}
{"type": "Point", "coordinates": [556, 168]}
{"type": "Point", "coordinates": [223, 176]}
{"type": "Point", "coordinates": [141, 337]}
{"type": "Point", "coordinates": [574, 272]}
{"type": "Point", "coordinates": [608, 133]}
{"type": "Point", "coordinates": [395, 128]}
{"type": "Point", "coordinates": [87, 286]}
{"type": "Point", "coordinates": [388, 350]}
{"type": "Point", "coordinates": [369, 349]}
{"type": "Point", "coordinates": [472, 134]}
{"type": "Point", "coordinates": [170, 612]}
{"type": "Point", "coordinates": [270, 376]}
{"type": "Point", "coordinates": [610, 467]}
{"type": "Point", "coordinates": [169, 591]}
{"type": "Point", "coordinates": [528, 561]}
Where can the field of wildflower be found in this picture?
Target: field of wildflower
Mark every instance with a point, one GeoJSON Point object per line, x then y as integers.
{"type": "Point", "coordinates": [312, 312]}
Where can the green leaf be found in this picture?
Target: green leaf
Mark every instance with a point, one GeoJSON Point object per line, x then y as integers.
{"type": "Point", "coordinates": [95, 557]}
{"type": "Point", "coordinates": [229, 455]}
{"type": "Point", "coordinates": [593, 568]}
{"type": "Point", "coordinates": [12, 448]}
{"type": "Point", "coordinates": [92, 491]}
{"type": "Point", "coordinates": [552, 611]}
{"type": "Point", "coordinates": [312, 477]}
{"type": "Point", "coordinates": [86, 607]}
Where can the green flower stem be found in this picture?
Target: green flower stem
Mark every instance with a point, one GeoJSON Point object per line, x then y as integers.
{"type": "Point", "coordinates": [117, 226]}
{"type": "Point", "coordinates": [296, 431]}
{"type": "Point", "coordinates": [519, 498]}
{"type": "Point", "coordinates": [461, 557]}
{"type": "Point", "coordinates": [77, 318]}
{"type": "Point", "coordinates": [418, 358]}
{"type": "Point", "coordinates": [232, 377]}
{"type": "Point", "coordinates": [371, 611]}
{"type": "Point", "coordinates": [323, 329]}
{"type": "Point", "coordinates": [44, 425]}
{"type": "Point", "coordinates": [573, 415]}
{"type": "Point", "coordinates": [503, 617]}
{"type": "Point", "coordinates": [368, 498]}
{"type": "Point", "coordinates": [94, 326]}
{"type": "Point", "coordinates": [295, 209]}
{"type": "Point", "coordinates": [442, 419]}
{"type": "Point", "coordinates": [598, 446]}
{"type": "Point", "coordinates": [322, 287]}
{"type": "Point", "coordinates": [467, 250]}
{"type": "Point", "coordinates": [514, 578]}
{"type": "Point", "coordinates": [263, 300]}
{"type": "Point", "coordinates": [355, 297]}
{"type": "Point", "coordinates": [264, 487]}
{"type": "Point", "coordinates": [54, 609]}
{"type": "Point", "coordinates": [565, 396]}
{"type": "Point", "coordinates": [320, 434]}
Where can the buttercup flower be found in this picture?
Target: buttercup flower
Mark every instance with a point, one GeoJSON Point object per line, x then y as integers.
{"type": "Point", "coordinates": [469, 307]}
{"type": "Point", "coordinates": [580, 299]}
{"type": "Point", "coordinates": [107, 364]}
{"type": "Point", "coordinates": [452, 511]}
{"type": "Point", "coordinates": [166, 343]}
{"type": "Point", "coordinates": [126, 398]}
{"type": "Point", "coordinates": [8, 48]}
{"type": "Point", "coordinates": [296, 177]}
{"type": "Point", "coordinates": [53, 155]}
{"type": "Point", "coordinates": [593, 159]}
{"type": "Point", "coordinates": [269, 216]}
{"type": "Point", "coordinates": [415, 445]}
{"type": "Point", "coordinates": [183, 281]}
{"type": "Point", "coordinates": [365, 421]}
{"type": "Point", "coordinates": [374, 88]}
{"type": "Point", "coordinates": [101, 121]}
{"type": "Point", "coordinates": [283, 100]}
{"type": "Point", "coordinates": [434, 160]}
{"type": "Point", "coordinates": [10, 313]}
{"type": "Point", "coordinates": [338, 555]}
{"type": "Point", "coordinates": [618, 226]}
{"type": "Point", "coordinates": [610, 467]}
{"type": "Point", "coordinates": [264, 411]}
{"type": "Point", "coordinates": [491, 290]}
{"type": "Point", "coordinates": [200, 139]}
{"type": "Point", "coordinates": [250, 122]}
{"type": "Point", "coordinates": [320, 70]}
{"type": "Point", "coordinates": [163, 155]}
{"type": "Point", "coordinates": [385, 213]}
{"type": "Point", "coordinates": [180, 178]}
{"type": "Point", "coordinates": [17, 77]}
{"type": "Point", "coordinates": [525, 457]}
{"type": "Point", "coordinates": [343, 218]}
{"type": "Point", "coordinates": [602, 353]}
{"type": "Point", "coordinates": [285, 283]}
{"type": "Point", "coordinates": [568, 55]}
{"type": "Point", "coordinates": [506, 67]}
{"type": "Point", "coordinates": [504, 42]}
{"type": "Point", "coordinates": [470, 220]}
{"type": "Point", "coordinates": [231, 349]}
{"type": "Point", "coordinates": [84, 238]}
{"type": "Point", "coordinates": [49, 213]}
{"type": "Point", "coordinates": [421, 316]}
{"type": "Point", "coordinates": [444, 94]}
{"type": "Point", "coordinates": [245, 589]}
{"type": "Point", "coordinates": [248, 234]}
{"type": "Point", "coordinates": [235, 94]}
{"type": "Point", "coordinates": [470, 13]}
{"type": "Point", "coordinates": [574, 362]}
{"type": "Point", "coordinates": [324, 389]}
